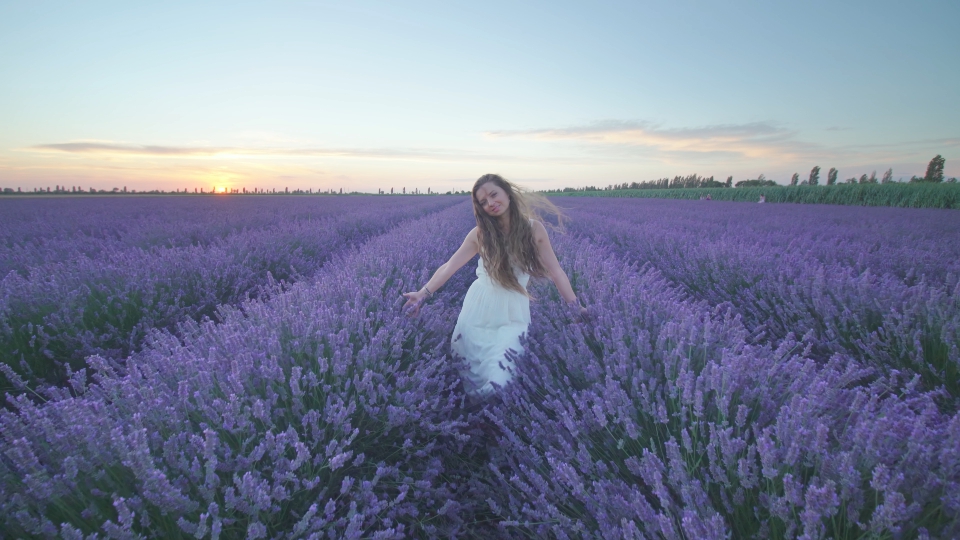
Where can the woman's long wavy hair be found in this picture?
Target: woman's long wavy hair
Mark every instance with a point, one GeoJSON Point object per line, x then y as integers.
{"type": "Point", "coordinates": [517, 247]}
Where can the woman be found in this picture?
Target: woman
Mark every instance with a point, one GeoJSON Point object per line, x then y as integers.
{"type": "Point", "coordinates": [496, 311]}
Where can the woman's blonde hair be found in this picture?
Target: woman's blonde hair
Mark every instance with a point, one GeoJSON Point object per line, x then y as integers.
{"type": "Point", "coordinates": [517, 247]}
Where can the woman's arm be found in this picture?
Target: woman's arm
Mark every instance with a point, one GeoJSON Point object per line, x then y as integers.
{"type": "Point", "coordinates": [549, 261]}
{"type": "Point", "coordinates": [467, 250]}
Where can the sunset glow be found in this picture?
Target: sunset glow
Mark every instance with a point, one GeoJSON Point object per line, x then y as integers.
{"type": "Point", "coordinates": [376, 95]}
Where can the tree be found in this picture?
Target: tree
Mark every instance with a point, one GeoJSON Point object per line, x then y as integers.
{"type": "Point", "coordinates": [759, 182]}
{"type": "Point", "coordinates": [729, 181]}
{"type": "Point", "coordinates": [887, 177]}
{"type": "Point", "coordinates": [832, 176]}
{"type": "Point", "coordinates": [935, 170]}
{"type": "Point", "coordinates": [873, 178]}
{"type": "Point", "coordinates": [814, 176]}
{"type": "Point", "coordinates": [863, 178]}
{"type": "Point", "coordinates": [795, 179]}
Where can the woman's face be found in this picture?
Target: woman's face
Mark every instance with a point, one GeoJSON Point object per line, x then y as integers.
{"type": "Point", "coordinates": [493, 199]}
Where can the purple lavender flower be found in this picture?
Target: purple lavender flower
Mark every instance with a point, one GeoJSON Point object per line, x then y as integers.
{"type": "Point", "coordinates": [735, 378]}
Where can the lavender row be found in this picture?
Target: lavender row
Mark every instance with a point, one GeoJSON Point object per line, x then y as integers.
{"type": "Point", "coordinates": [881, 286]}
{"type": "Point", "coordinates": [661, 419]}
{"type": "Point", "coordinates": [663, 416]}
{"type": "Point", "coordinates": [321, 410]}
{"type": "Point", "coordinates": [36, 231]}
{"type": "Point", "coordinates": [106, 302]}
{"type": "Point", "coordinates": [911, 244]}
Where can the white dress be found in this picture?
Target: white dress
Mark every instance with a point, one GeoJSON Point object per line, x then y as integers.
{"type": "Point", "coordinates": [491, 322]}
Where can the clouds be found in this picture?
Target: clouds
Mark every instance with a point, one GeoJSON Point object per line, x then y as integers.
{"type": "Point", "coordinates": [611, 150]}
{"type": "Point", "coordinates": [763, 142]}
{"type": "Point", "coordinates": [122, 149]}
{"type": "Point", "coordinates": [750, 146]}
{"type": "Point", "coordinates": [110, 148]}
{"type": "Point", "coordinates": [96, 149]}
{"type": "Point", "coordinates": [749, 140]}
{"type": "Point", "coordinates": [278, 163]}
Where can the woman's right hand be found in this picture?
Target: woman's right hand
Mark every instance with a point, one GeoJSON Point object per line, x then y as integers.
{"type": "Point", "coordinates": [414, 301]}
{"type": "Point", "coordinates": [578, 312]}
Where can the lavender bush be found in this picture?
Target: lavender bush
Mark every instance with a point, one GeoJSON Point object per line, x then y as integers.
{"type": "Point", "coordinates": [735, 379]}
{"type": "Point", "coordinates": [322, 409]}
{"type": "Point", "coordinates": [661, 419]}
{"type": "Point", "coordinates": [105, 300]}
{"type": "Point", "coordinates": [34, 231]}
{"type": "Point", "coordinates": [880, 284]}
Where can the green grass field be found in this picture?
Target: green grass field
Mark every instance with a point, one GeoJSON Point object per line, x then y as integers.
{"type": "Point", "coordinates": [946, 195]}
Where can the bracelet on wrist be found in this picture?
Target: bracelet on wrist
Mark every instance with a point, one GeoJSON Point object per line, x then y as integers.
{"type": "Point", "coordinates": [429, 293]}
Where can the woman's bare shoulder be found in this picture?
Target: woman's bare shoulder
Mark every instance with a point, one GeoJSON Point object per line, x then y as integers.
{"type": "Point", "coordinates": [539, 231]}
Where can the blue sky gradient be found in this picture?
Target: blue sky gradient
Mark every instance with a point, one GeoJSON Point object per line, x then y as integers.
{"type": "Point", "coordinates": [369, 95]}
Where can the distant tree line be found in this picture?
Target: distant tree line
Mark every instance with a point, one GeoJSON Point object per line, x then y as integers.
{"type": "Point", "coordinates": [74, 190]}
{"type": "Point", "coordinates": [691, 181]}
{"type": "Point", "coordinates": [934, 174]}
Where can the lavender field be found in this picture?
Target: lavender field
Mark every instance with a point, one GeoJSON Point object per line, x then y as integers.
{"type": "Point", "coordinates": [241, 368]}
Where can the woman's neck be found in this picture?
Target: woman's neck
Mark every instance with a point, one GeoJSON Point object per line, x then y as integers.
{"type": "Point", "coordinates": [504, 222]}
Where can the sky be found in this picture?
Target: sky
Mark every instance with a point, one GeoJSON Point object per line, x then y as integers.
{"type": "Point", "coordinates": [378, 95]}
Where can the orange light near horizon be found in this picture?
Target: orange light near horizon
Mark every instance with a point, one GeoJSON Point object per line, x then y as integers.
{"type": "Point", "coordinates": [220, 189]}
